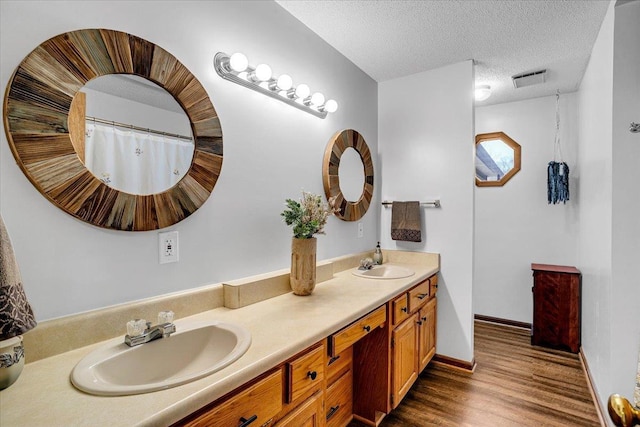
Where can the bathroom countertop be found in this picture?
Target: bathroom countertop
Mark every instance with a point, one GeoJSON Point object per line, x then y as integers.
{"type": "Point", "coordinates": [281, 327]}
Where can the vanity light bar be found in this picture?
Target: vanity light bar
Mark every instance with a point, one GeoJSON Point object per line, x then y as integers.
{"type": "Point", "coordinates": [236, 68]}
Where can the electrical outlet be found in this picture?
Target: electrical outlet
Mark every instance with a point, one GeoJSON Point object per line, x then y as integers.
{"type": "Point", "coordinates": [168, 246]}
{"type": "Point", "coordinates": [360, 230]}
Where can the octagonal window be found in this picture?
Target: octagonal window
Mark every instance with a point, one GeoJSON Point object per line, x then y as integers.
{"type": "Point", "coordinates": [497, 159]}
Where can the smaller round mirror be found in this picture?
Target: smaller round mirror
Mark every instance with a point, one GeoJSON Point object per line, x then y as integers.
{"type": "Point", "coordinates": [351, 174]}
{"type": "Point", "coordinates": [497, 159]}
{"type": "Point", "coordinates": [347, 174]}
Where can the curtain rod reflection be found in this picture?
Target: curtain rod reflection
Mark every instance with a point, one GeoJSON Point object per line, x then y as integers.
{"type": "Point", "coordinates": [140, 129]}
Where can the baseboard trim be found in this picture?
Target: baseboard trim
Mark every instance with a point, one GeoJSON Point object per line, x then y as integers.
{"type": "Point", "coordinates": [592, 388]}
{"type": "Point", "coordinates": [457, 364]}
{"type": "Point", "coordinates": [501, 321]}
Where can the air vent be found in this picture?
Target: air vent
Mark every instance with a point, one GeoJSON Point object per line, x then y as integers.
{"type": "Point", "coordinates": [529, 79]}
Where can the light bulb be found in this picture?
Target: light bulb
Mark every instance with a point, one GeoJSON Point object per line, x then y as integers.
{"type": "Point", "coordinates": [238, 62]}
{"type": "Point", "coordinates": [284, 82]}
{"type": "Point", "coordinates": [302, 91]}
{"type": "Point", "coordinates": [317, 99]}
{"type": "Point", "coordinates": [263, 72]}
{"type": "Point", "coordinates": [482, 92]}
{"type": "Point", "coordinates": [330, 106]}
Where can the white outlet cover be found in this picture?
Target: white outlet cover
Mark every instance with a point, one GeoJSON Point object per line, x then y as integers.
{"type": "Point", "coordinates": [168, 247]}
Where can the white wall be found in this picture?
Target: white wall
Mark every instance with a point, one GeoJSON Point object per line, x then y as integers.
{"type": "Point", "coordinates": [425, 124]}
{"type": "Point", "coordinates": [595, 205]}
{"type": "Point", "coordinates": [514, 224]}
{"type": "Point", "coordinates": [625, 296]}
{"type": "Point", "coordinates": [271, 152]}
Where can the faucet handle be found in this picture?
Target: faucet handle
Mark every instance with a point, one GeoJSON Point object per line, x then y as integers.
{"type": "Point", "coordinates": [136, 327]}
{"type": "Point", "coordinates": [165, 317]}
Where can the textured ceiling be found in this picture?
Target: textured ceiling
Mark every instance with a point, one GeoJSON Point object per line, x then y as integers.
{"type": "Point", "coordinates": [391, 39]}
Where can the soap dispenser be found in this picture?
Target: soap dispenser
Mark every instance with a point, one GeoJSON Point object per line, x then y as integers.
{"type": "Point", "coordinates": [377, 255]}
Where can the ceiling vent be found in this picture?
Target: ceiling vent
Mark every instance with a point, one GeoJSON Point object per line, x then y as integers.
{"type": "Point", "coordinates": [529, 79]}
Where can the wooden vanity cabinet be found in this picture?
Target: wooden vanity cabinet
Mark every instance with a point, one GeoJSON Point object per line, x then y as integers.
{"type": "Point", "coordinates": [413, 337]}
{"type": "Point", "coordinates": [360, 372]}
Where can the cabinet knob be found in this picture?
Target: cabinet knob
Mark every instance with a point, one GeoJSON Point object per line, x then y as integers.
{"type": "Point", "coordinates": [367, 328]}
{"type": "Point", "coordinates": [422, 296]}
{"type": "Point", "coordinates": [312, 375]}
{"type": "Point", "coordinates": [405, 309]}
{"type": "Point", "coordinates": [424, 319]}
{"type": "Point", "coordinates": [419, 322]}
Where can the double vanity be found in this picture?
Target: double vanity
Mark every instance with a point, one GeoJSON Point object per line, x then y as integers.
{"type": "Point", "coordinates": [350, 350]}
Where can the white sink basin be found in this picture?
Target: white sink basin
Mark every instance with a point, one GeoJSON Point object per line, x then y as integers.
{"type": "Point", "coordinates": [194, 351]}
{"type": "Point", "coordinates": [385, 271]}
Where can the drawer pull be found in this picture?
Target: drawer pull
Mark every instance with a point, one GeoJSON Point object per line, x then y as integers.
{"type": "Point", "coordinates": [404, 309]}
{"type": "Point", "coordinates": [422, 296]}
{"type": "Point", "coordinates": [367, 328]}
{"type": "Point", "coordinates": [245, 422]}
{"type": "Point", "coordinates": [332, 411]}
{"type": "Point", "coordinates": [312, 375]}
{"type": "Point", "coordinates": [333, 360]}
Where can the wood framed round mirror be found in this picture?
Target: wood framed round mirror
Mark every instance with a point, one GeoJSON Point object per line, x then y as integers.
{"type": "Point", "coordinates": [340, 143]}
{"type": "Point", "coordinates": [36, 118]}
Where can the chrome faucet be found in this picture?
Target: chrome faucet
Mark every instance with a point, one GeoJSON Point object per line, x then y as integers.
{"type": "Point", "coordinates": [136, 335]}
{"type": "Point", "coordinates": [366, 264]}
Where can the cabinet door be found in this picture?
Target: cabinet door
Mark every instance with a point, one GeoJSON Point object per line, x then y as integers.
{"type": "Point", "coordinates": [405, 360]}
{"type": "Point", "coordinates": [309, 414]}
{"type": "Point", "coordinates": [427, 334]}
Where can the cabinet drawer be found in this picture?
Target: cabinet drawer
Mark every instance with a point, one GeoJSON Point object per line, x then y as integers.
{"type": "Point", "coordinates": [418, 295]}
{"type": "Point", "coordinates": [339, 406]}
{"type": "Point", "coordinates": [305, 373]}
{"type": "Point", "coordinates": [261, 401]}
{"type": "Point", "coordinates": [337, 365]}
{"type": "Point", "coordinates": [308, 414]}
{"type": "Point", "coordinates": [400, 308]}
{"type": "Point", "coordinates": [357, 330]}
{"type": "Point", "coordinates": [433, 285]}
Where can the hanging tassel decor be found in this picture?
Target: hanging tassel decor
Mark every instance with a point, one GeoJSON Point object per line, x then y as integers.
{"type": "Point", "coordinates": [557, 171]}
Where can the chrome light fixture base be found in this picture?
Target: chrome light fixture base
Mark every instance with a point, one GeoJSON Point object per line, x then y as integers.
{"type": "Point", "coordinates": [221, 63]}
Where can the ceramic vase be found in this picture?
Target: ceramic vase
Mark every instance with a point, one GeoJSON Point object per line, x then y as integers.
{"type": "Point", "coordinates": [11, 361]}
{"type": "Point", "coordinates": [303, 265]}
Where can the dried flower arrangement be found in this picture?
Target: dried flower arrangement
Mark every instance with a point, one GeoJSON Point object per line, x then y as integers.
{"type": "Point", "coordinates": [309, 215]}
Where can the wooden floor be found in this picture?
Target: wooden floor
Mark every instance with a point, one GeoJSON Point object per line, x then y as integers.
{"type": "Point", "coordinates": [514, 384]}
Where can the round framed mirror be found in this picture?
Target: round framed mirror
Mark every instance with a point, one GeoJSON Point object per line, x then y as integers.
{"type": "Point", "coordinates": [357, 169]}
{"type": "Point", "coordinates": [497, 159]}
{"type": "Point", "coordinates": [37, 106]}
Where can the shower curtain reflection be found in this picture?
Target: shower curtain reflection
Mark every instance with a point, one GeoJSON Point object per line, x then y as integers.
{"type": "Point", "coordinates": [136, 162]}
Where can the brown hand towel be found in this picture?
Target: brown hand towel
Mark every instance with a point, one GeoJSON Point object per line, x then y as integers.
{"type": "Point", "coordinates": [405, 221]}
{"type": "Point", "coordinates": [16, 316]}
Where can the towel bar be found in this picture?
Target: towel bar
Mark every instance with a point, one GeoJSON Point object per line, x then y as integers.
{"type": "Point", "coordinates": [434, 203]}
